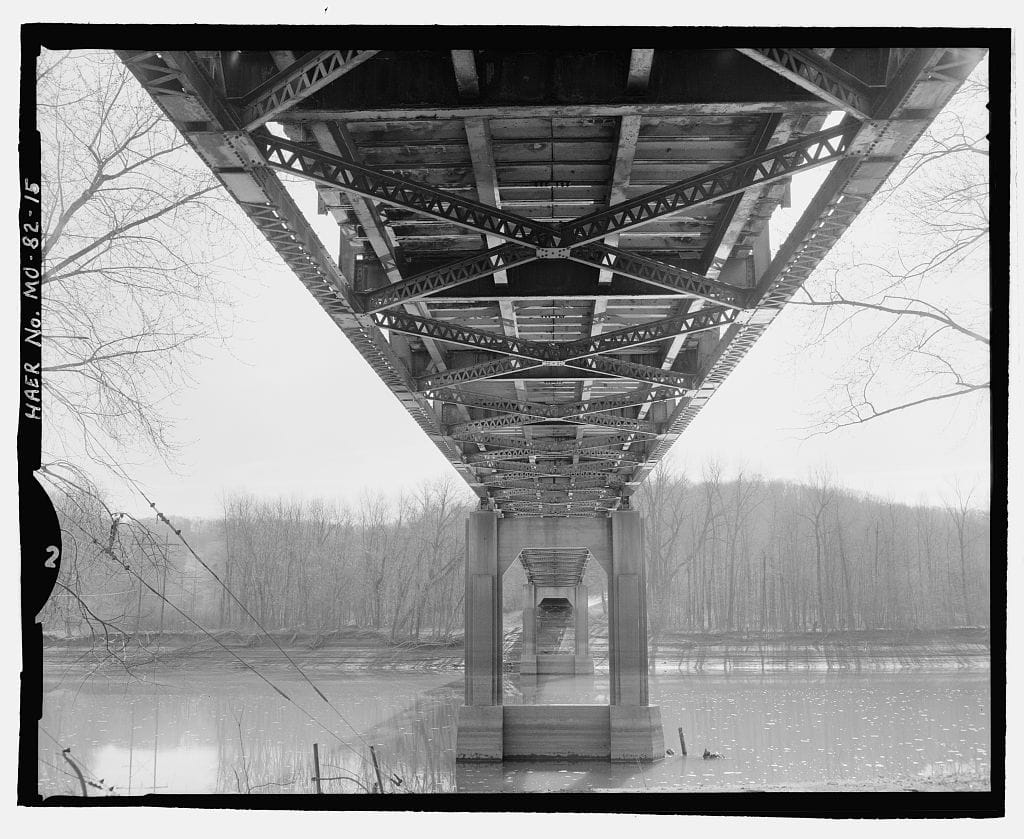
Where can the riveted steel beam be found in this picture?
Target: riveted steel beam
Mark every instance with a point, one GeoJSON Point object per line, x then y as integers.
{"type": "Point", "coordinates": [562, 110]}
{"type": "Point", "coordinates": [779, 162]}
{"type": "Point", "coordinates": [511, 455]}
{"type": "Point", "coordinates": [468, 430]}
{"type": "Point", "coordinates": [485, 370]}
{"type": "Point", "coordinates": [293, 84]}
{"type": "Point", "coordinates": [554, 506]}
{"type": "Point", "coordinates": [461, 271]}
{"type": "Point", "coordinates": [818, 75]}
{"type": "Point", "coordinates": [465, 336]}
{"type": "Point", "coordinates": [580, 480]}
{"type": "Point", "coordinates": [635, 372]}
{"type": "Point", "coordinates": [555, 470]}
{"type": "Point", "coordinates": [585, 409]}
{"type": "Point", "coordinates": [552, 445]}
{"type": "Point", "coordinates": [657, 330]}
{"type": "Point", "coordinates": [657, 273]}
{"type": "Point", "coordinates": [501, 406]}
{"type": "Point", "coordinates": [543, 470]}
{"type": "Point", "coordinates": [600, 512]}
{"type": "Point", "coordinates": [553, 495]}
{"type": "Point", "coordinates": [502, 454]}
{"type": "Point", "coordinates": [330, 169]}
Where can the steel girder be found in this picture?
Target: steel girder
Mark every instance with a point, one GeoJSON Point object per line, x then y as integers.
{"type": "Point", "coordinates": [552, 470]}
{"type": "Point", "coordinates": [512, 455]}
{"type": "Point", "coordinates": [553, 509]}
{"type": "Point", "coordinates": [644, 269]}
{"type": "Point", "coordinates": [634, 372]}
{"type": "Point", "coordinates": [581, 479]}
{"type": "Point", "coordinates": [552, 495]}
{"type": "Point", "coordinates": [480, 339]}
{"type": "Point", "coordinates": [293, 84]}
{"type": "Point", "coordinates": [552, 351]}
{"type": "Point", "coordinates": [461, 430]}
{"type": "Point", "coordinates": [332, 170]}
{"type": "Point", "coordinates": [571, 410]}
{"type": "Point", "coordinates": [820, 76]}
{"type": "Point", "coordinates": [476, 372]}
{"type": "Point", "coordinates": [503, 406]}
{"type": "Point", "coordinates": [554, 242]}
{"type": "Point", "coordinates": [779, 162]}
{"type": "Point", "coordinates": [656, 330]}
{"type": "Point", "coordinates": [587, 408]}
{"type": "Point", "coordinates": [658, 273]}
{"type": "Point", "coordinates": [549, 446]}
{"type": "Point", "coordinates": [540, 511]}
{"type": "Point", "coordinates": [548, 242]}
{"type": "Point", "coordinates": [602, 465]}
{"type": "Point", "coordinates": [453, 274]}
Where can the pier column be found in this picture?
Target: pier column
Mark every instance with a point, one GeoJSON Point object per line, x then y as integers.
{"type": "Point", "coordinates": [584, 663]}
{"type": "Point", "coordinates": [528, 660]}
{"type": "Point", "coordinates": [480, 719]}
{"type": "Point", "coordinates": [635, 725]}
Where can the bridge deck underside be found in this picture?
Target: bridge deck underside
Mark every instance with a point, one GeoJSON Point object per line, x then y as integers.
{"type": "Point", "coordinates": [554, 566]}
{"type": "Point", "coordinates": [555, 377]}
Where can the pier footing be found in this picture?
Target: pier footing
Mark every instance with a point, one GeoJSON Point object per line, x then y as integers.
{"type": "Point", "coordinates": [560, 732]}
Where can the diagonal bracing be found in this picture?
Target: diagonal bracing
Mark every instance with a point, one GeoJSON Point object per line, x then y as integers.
{"type": "Point", "coordinates": [818, 75]}
{"type": "Point", "coordinates": [332, 170]}
{"type": "Point", "coordinates": [293, 84]}
{"type": "Point", "coordinates": [778, 162]}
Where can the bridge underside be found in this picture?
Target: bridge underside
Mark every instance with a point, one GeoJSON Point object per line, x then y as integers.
{"type": "Point", "coordinates": [553, 259]}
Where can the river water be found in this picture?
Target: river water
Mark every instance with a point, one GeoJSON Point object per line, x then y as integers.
{"type": "Point", "coordinates": [226, 731]}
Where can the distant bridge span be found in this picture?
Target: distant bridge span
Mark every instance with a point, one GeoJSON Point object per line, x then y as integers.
{"type": "Point", "coordinates": [553, 259]}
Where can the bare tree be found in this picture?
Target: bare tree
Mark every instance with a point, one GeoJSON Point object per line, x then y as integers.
{"type": "Point", "coordinates": [96, 595]}
{"type": "Point", "coordinates": [960, 514]}
{"type": "Point", "coordinates": [135, 235]}
{"type": "Point", "coordinates": [917, 310]}
{"type": "Point", "coordinates": [662, 501]}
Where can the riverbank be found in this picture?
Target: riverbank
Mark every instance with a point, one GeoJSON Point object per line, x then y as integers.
{"type": "Point", "coordinates": [353, 649]}
{"type": "Point", "coordinates": [855, 651]}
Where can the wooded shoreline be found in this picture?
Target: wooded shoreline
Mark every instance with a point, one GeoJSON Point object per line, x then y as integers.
{"type": "Point", "coordinates": [354, 649]}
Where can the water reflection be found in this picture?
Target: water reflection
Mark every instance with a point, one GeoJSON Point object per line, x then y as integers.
{"type": "Point", "coordinates": [590, 689]}
{"type": "Point", "coordinates": [221, 732]}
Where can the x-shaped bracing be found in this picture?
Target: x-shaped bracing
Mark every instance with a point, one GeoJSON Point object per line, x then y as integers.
{"type": "Point", "coordinates": [528, 240]}
{"type": "Point", "coordinates": [577, 240]}
{"type": "Point", "coordinates": [551, 352]}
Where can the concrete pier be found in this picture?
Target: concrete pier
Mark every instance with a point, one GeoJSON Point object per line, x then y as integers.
{"type": "Point", "coordinates": [554, 553]}
{"type": "Point", "coordinates": [538, 657]}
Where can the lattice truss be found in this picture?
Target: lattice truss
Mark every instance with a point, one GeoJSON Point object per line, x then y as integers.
{"type": "Point", "coordinates": [552, 276]}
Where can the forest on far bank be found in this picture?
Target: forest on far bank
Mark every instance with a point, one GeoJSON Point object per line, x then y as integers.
{"type": "Point", "coordinates": [736, 555]}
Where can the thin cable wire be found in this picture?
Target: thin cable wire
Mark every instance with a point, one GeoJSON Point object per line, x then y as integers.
{"type": "Point", "coordinates": [96, 778]}
{"type": "Point", "coordinates": [216, 640]}
{"type": "Point", "coordinates": [252, 617]}
{"type": "Point", "coordinates": [73, 777]}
